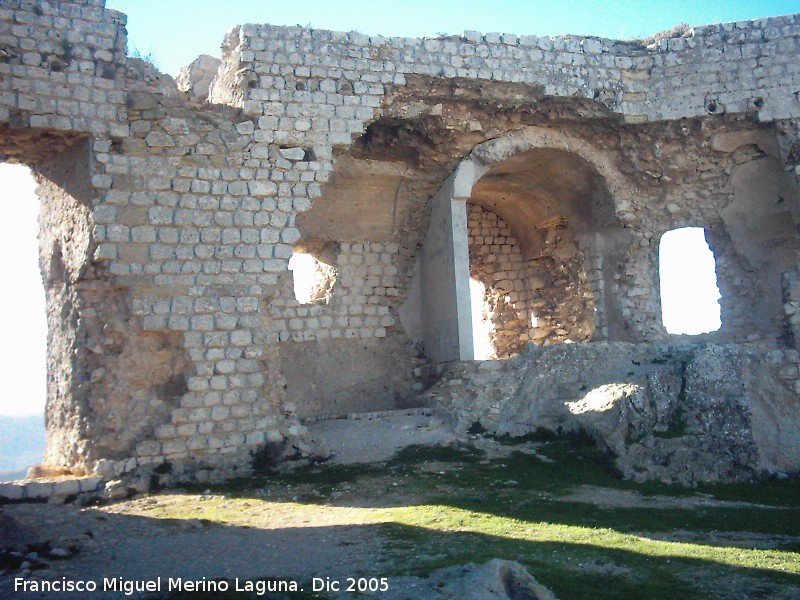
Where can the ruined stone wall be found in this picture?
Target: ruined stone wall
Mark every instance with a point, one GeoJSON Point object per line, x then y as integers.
{"type": "Point", "coordinates": [659, 177]}
{"type": "Point", "coordinates": [321, 88]}
{"type": "Point", "coordinates": [350, 343]}
{"type": "Point", "coordinates": [703, 185]}
{"type": "Point", "coordinates": [560, 293]}
{"type": "Point", "coordinates": [200, 234]}
{"type": "Point", "coordinates": [179, 315]}
{"type": "Point", "coordinates": [63, 66]}
{"type": "Point", "coordinates": [546, 298]}
{"type": "Point", "coordinates": [156, 351]}
{"type": "Point", "coordinates": [734, 68]}
{"type": "Point", "coordinates": [728, 68]}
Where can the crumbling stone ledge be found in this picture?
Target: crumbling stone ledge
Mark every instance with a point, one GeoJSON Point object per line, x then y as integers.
{"type": "Point", "coordinates": [677, 413]}
{"type": "Point", "coordinates": [59, 491]}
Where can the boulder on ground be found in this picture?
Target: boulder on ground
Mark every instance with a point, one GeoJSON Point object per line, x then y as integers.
{"type": "Point", "coordinates": [495, 580]}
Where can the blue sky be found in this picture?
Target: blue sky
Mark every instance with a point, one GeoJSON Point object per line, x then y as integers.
{"type": "Point", "coordinates": [175, 32]}
{"type": "Point", "coordinates": [22, 313]}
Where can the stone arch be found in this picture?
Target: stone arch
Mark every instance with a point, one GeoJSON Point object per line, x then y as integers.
{"type": "Point", "coordinates": [585, 209]}
{"type": "Point", "coordinates": [495, 151]}
{"type": "Point", "coordinates": [559, 196]}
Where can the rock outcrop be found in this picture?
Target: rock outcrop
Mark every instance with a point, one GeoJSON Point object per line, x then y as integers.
{"type": "Point", "coordinates": [682, 413]}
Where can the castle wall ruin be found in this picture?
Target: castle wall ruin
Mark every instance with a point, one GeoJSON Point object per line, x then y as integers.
{"type": "Point", "coordinates": [169, 216]}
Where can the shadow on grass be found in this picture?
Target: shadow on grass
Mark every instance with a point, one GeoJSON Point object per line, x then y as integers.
{"type": "Point", "coordinates": [525, 489]}
{"type": "Point", "coordinates": [146, 548]}
{"type": "Point", "coordinates": [580, 571]}
{"type": "Point", "coordinates": [572, 571]}
{"type": "Point", "coordinates": [166, 548]}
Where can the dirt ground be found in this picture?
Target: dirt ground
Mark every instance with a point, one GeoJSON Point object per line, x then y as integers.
{"type": "Point", "coordinates": [319, 527]}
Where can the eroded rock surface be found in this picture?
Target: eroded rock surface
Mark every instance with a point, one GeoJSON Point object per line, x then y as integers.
{"type": "Point", "coordinates": [495, 580]}
{"type": "Point", "coordinates": [682, 413]}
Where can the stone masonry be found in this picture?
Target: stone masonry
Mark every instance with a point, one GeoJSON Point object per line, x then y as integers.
{"type": "Point", "coordinates": [176, 346]}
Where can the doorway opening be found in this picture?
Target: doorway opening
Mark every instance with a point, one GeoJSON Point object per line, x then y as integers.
{"type": "Point", "coordinates": [24, 325]}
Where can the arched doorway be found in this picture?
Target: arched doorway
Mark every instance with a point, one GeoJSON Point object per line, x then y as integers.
{"type": "Point", "coordinates": [537, 227]}
{"type": "Point", "coordinates": [558, 219]}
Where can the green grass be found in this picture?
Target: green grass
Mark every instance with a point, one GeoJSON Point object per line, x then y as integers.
{"type": "Point", "coordinates": [436, 507]}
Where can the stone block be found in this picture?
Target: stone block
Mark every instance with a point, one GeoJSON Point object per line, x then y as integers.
{"type": "Point", "coordinates": [12, 491]}
{"type": "Point", "coordinates": [67, 487]}
{"type": "Point", "coordinates": [89, 484]}
{"type": "Point", "coordinates": [38, 489]}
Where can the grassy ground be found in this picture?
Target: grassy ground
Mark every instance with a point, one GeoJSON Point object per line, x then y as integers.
{"type": "Point", "coordinates": [436, 507]}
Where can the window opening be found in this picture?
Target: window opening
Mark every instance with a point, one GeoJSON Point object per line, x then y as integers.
{"type": "Point", "coordinates": [313, 279]}
{"type": "Point", "coordinates": [689, 292]}
{"type": "Point", "coordinates": [482, 326]}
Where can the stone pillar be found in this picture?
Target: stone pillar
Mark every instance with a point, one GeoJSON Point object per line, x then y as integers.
{"type": "Point", "coordinates": [446, 310]}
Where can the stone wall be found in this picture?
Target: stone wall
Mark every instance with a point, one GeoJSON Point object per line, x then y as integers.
{"type": "Point", "coordinates": [734, 68]}
{"type": "Point", "coordinates": [496, 261]}
{"type": "Point", "coordinates": [361, 296]}
{"type": "Point", "coordinates": [546, 298]}
{"type": "Point", "coordinates": [170, 218]}
{"type": "Point", "coordinates": [63, 66]}
{"type": "Point", "coordinates": [560, 295]}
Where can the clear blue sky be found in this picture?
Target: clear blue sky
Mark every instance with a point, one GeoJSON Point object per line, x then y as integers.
{"type": "Point", "coordinates": [177, 31]}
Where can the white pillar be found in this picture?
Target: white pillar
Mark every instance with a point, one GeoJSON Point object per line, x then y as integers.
{"type": "Point", "coordinates": [444, 270]}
